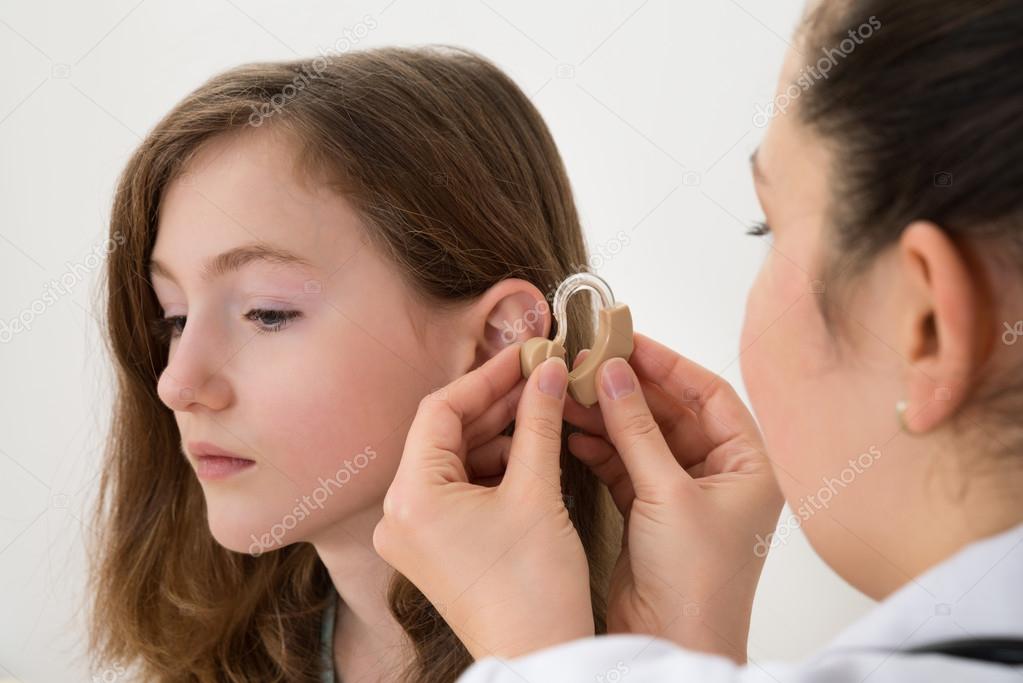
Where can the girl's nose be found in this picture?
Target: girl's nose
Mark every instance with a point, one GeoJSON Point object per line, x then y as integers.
{"type": "Point", "coordinates": [194, 377]}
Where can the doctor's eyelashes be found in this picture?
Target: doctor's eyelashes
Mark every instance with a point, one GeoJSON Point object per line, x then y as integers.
{"type": "Point", "coordinates": [759, 229]}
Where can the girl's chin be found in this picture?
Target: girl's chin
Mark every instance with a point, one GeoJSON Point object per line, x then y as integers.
{"type": "Point", "coordinates": [244, 538]}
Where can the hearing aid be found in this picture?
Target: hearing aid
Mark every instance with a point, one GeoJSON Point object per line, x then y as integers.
{"type": "Point", "coordinates": [613, 338]}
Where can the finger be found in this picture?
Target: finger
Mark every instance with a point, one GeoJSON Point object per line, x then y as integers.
{"type": "Point", "coordinates": [721, 413]}
{"type": "Point", "coordinates": [536, 444]}
{"type": "Point", "coordinates": [488, 460]}
{"type": "Point", "coordinates": [591, 420]}
{"type": "Point", "coordinates": [603, 460]}
{"type": "Point", "coordinates": [496, 418]}
{"type": "Point", "coordinates": [679, 424]}
{"type": "Point", "coordinates": [436, 433]}
{"type": "Point", "coordinates": [586, 418]}
{"type": "Point", "coordinates": [632, 429]}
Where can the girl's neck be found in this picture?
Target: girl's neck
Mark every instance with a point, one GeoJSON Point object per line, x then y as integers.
{"type": "Point", "coordinates": [368, 643]}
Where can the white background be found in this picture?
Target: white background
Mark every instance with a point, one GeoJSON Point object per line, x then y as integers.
{"type": "Point", "coordinates": [651, 102]}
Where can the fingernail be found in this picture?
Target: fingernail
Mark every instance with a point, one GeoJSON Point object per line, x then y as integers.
{"type": "Point", "coordinates": [616, 378]}
{"type": "Point", "coordinates": [553, 377]}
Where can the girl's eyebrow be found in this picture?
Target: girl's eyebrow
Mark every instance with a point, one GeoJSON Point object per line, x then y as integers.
{"type": "Point", "coordinates": [235, 259]}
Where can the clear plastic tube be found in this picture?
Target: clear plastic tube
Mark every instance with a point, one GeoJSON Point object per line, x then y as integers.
{"type": "Point", "coordinates": [572, 284]}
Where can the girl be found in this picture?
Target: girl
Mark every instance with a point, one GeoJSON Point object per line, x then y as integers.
{"type": "Point", "coordinates": [880, 356]}
{"type": "Point", "coordinates": [310, 248]}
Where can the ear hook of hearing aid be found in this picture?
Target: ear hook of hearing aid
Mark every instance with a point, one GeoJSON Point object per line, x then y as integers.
{"type": "Point", "coordinates": [613, 339]}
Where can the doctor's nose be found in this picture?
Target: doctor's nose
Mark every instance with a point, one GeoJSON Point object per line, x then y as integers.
{"type": "Point", "coordinates": [194, 377]}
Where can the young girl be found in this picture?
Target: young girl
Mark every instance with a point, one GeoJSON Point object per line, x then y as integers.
{"type": "Point", "coordinates": [310, 248]}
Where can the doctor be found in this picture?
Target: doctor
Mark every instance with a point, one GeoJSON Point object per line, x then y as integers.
{"type": "Point", "coordinates": [881, 354]}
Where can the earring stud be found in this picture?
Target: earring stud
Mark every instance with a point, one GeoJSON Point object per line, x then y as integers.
{"type": "Point", "coordinates": [900, 413]}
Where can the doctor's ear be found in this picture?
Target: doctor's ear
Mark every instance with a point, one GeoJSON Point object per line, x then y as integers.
{"type": "Point", "coordinates": [945, 334]}
{"type": "Point", "coordinates": [511, 311]}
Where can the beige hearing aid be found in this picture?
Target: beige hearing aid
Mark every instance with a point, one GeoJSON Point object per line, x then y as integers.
{"type": "Point", "coordinates": [613, 339]}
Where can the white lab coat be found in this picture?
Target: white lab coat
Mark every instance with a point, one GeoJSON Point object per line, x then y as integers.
{"type": "Point", "coordinates": [977, 592]}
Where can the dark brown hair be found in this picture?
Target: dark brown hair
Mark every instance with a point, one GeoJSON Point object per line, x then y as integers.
{"type": "Point", "coordinates": [459, 182]}
{"type": "Point", "coordinates": [924, 114]}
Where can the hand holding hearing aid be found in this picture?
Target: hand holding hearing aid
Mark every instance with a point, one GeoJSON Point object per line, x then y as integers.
{"type": "Point", "coordinates": [502, 564]}
{"type": "Point", "coordinates": [686, 465]}
{"type": "Point", "coordinates": [680, 453]}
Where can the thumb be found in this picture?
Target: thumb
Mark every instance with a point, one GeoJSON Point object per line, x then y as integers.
{"type": "Point", "coordinates": [536, 444]}
{"type": "Point", "coordinates": [632, 429]}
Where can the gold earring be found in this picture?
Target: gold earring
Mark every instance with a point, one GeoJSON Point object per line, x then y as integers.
{"type": "Point", "coordinates": [900, 413]}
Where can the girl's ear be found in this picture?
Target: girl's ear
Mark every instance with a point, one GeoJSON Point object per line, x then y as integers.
{"type": "Point", "coordinates": [511, 311]}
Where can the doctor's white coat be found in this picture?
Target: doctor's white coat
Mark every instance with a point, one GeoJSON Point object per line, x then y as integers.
{"type": "Point", "coordinates": [978, 592]}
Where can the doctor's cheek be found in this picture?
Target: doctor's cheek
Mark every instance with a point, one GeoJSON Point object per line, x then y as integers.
{"type": "Point", "coordinates": [751, 357]}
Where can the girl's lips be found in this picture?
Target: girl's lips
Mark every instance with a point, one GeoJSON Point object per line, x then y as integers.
{"type": "Point", "coordinates": [219, 467]}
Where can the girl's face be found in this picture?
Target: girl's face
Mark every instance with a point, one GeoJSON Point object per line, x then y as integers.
{"type": "Point", "coordinates": [827, 411]}
{"type": "Point", "coordinates": [292, 345]}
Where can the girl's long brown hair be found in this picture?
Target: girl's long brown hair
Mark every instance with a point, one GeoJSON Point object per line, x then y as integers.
{"type": "Point", "coordinates": [460, 184]}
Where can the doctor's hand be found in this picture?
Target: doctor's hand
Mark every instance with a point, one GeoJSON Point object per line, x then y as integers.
{"type": "Point", "coordinates": [502, 563]}
{"type": "Point", "coordinates": [686, 466]}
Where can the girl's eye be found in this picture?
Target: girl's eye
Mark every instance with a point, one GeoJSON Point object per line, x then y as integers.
{"type": "Point", "coordinates": [759, 229]}
{"type": "Point", "coordinates": [266, 321]}
{"type": "Point", "coordinates": [166, 329]}
{"type": "Point", "coordinates": [270, 320]}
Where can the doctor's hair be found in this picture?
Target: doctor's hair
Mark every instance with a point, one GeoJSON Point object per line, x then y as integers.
{"type": "Point", "coordinates": [458, 181]}
{"type": "Point", "coordinates": [923, 110]}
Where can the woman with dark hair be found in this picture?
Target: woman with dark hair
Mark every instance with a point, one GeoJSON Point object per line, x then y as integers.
{"type": "Point", "coordinates": [880, 357]}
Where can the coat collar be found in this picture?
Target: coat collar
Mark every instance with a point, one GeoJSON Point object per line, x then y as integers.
{"type": "Point", "coordinates": [976, 592]}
